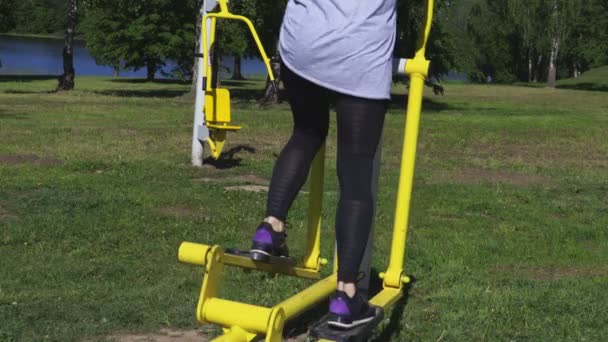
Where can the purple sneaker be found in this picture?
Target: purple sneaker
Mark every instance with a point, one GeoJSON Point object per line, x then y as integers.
{"type": "Point", "coordinates": [268, 243]}
{"type": "Point", "coordinates": [347, 313]}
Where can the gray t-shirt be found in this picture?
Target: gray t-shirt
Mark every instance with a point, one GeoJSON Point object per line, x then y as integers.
{"type": "Point", "coordinates": [343, 45]}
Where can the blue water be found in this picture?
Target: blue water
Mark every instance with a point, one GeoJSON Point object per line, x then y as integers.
{"type": "Point", "coordinates": [42, 56]}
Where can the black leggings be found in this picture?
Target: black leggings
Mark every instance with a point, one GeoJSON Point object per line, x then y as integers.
{"type": "Point", "coordinates": [360, 123]}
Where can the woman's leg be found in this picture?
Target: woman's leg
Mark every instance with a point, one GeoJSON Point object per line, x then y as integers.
{"type": "Point", "coordinates": [360, 124]}
{"type": "Point", "coordinates": [310, 109]}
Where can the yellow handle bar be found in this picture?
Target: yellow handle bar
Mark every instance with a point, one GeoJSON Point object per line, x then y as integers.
{"type": "Point", "coordinates": [224, 13]}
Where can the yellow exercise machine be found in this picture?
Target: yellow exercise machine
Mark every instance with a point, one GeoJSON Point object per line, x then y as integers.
{"type": "Point", "coordinates": [245, 322]}
{"type": "Point", "coordinates": [212, 117]}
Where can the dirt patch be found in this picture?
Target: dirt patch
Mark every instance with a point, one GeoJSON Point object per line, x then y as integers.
{"type": "Point", "coordinates": [16, 159]}
{"type": "Point", "coordinates": [165, 335]}
{"type": "Point", "coordinates": [248, 179]}
{"type": "Point", "coordinates": [252, 182]}
{"type": "Point", "coordinates": [476, 176]}
{"type": "Point", "coordinates": [251, 188]}
{"type": "Point", "coordinates": [180, 211]}
{"type": "Point", "coordinates": [5, 214]}
{"type": "Point", "coordinates": [205, 180]}
{"type": "Point", "coordinates": [168, 335]}
{"type": "Point", "coordinates": [125, 131]}
{"type": "Point", "coordinates": [553, 272]}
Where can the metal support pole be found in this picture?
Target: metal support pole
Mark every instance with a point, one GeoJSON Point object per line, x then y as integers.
{"type": "Point", "coordinates": [200, 132]}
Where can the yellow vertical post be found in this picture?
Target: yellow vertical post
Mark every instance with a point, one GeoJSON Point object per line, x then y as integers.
{"type": "Point", "coordinates": [417, 69]}
{"type": "Point", "coordinates": [315, 204]}
{"type": "Point", "coordinates": [207, 52]}
{"type": "Point", "coordinates": [408, 159]}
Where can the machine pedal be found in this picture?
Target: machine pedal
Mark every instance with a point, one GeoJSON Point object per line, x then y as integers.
{"type": "Point", "coordinates": [284, 261]}
{"type": "Point", "coordinates": [320, 331]}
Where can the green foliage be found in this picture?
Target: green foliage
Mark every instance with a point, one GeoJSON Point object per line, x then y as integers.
{"type": "Point", "coordinates": [511, 40]}
{"type": "Point", "coordinates": [7, 15]}
{"type": "Point", "coordinates": [137, 34]}
{"type": "Point", "coordinates": [39, 16]}
{"type": "Point", "coordinates": [587, 38]}
{"type": "Point", "coordinates": [234, 37]}
{"type": "Point", "coordinates": [410, 21]}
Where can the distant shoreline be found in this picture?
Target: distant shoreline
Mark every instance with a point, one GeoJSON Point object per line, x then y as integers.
{"type": "Point", "coordinates": [36, 35]}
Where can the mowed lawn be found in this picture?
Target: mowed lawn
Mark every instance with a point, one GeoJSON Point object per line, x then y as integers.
{"type": "Point", "coordinates": [509, 226]}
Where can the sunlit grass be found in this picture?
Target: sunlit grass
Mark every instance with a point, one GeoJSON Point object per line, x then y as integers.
{"type": "Point", "coordinates": [508, 231]}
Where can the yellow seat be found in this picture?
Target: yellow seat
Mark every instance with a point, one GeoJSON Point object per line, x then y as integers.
{"type": "Point", "coordinates": [217, 110]}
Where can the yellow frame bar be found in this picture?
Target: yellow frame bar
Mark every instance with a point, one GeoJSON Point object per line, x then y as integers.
{"type": "Point", "coordinates": [224, 13]}
{"type": "Point", "coordinates": [241, 319]}
{"type": "Point", "coordinates": [194, 254]}
{"type": "Point", "coordinates": [417, 68]}
{"type": "Point", "coordinates": [312, 260]}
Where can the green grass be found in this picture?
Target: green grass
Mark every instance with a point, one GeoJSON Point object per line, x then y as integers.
{"type": "Point", "coordinates": [594, 79]}
{"type": "Point", "coordinates": [508, 234]}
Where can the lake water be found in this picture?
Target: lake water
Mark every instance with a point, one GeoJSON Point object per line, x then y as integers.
{"type": "Point", "coordinates": [42, 56]}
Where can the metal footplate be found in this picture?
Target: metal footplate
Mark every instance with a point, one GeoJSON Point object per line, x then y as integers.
{"type": "Point", "coordinates": [320, 331]}
{"type": "Point", "coordinates": [283, 261]}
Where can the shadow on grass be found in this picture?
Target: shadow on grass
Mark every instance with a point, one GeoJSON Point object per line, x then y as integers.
{"type": "Point", "coordinates": [23, 92]}
{"type": "Point", "coordinates": [227, 159]}
{"type": "Point", "coordinates": [14, 116]}
{"type": "Point", "coordinates": [142, 93]}
{"type": "Point", "coordinates": [247, 94]}
{"type": "Point", "coordinates": [26, 78]}
{"type": "Point", "coordinates": [399, 101]}
{"type": "Point", "coordinates": [391, 331]}
{"type": "Point", "coordinates": [584, 86]}
{"type": "Point", "coordinates": [143, 80]}
{"type": "Point", "coordinates": [239, 83]}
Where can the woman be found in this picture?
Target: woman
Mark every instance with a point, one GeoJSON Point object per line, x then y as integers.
{"type": "Point", "coordinates": [334, 52]}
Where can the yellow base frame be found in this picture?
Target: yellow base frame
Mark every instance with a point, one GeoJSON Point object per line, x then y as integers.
{"type": "Point", "coordinates": [245, 322]}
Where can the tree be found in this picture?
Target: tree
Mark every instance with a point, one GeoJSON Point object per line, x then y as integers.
{"type": "Point", "coordinates": [534, 40]}
{"type": "Point", "coordinates": [7, 15]}
{"type": "Point", "coordinates": [235, 39]}
{"type": "Point", "coordinates": [586, 36]}
{"type": "Point", "coordinates": [528, 19]}
{"type": "Point", "coordinates": [555, 39]}
{"type": "Point", "coordinates": [410, 20]}
{"type": "Point", "coordinates": [66, 81]}
{"type": "Point", "coordinates": [38, 16]}
{"type": "Point", "coordinates": [142, 34]}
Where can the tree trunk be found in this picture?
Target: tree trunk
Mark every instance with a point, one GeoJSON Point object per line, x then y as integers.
{"type": "Point", "coordinates": [271, 92]}
{"type": "Point", "coordinates": [537, 72]}
{"type": "Point", "coordinates": [529, 65]}
{"type": "Point", "coordinates": [552, 77]}
{"type": "Point", "coordinates": [576, 69]}
{"type": "Point", "coordinates": [116, 72]}
{"type": "Point", "coordinates": [236, 73]}
{"type": "Point", "coordinates": [151, 67]}
{"type": "Point", "coordinates": [66, 81]}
